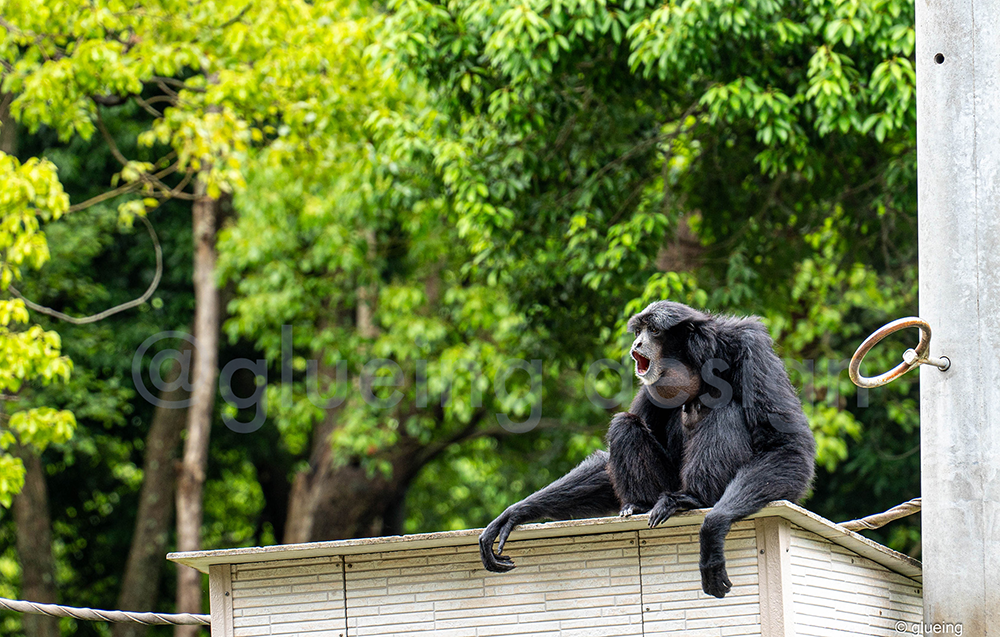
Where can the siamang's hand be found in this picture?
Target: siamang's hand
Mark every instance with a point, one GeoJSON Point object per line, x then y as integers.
{"type": "Point", "coordinates": [714, 580]}
{"type": "Point", "coordinates": [670, 503]}
{"type": "Point", "coordinates": [500, 527]}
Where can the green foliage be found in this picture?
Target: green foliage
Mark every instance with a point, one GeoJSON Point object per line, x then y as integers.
{"type": "Point", "coordinates": [565, 147]}
{"type": "Point", "coordinates": [30, 193]}
{"type": "Point", "coordinates": [780, 134]}
{"type": "Point", "coordinates": [251, 74]}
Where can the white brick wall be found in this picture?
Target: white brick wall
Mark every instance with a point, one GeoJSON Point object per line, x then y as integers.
{"type": "Point", "coordinates": [671, 584]}
{"type": "Point", "coordinates": [294, 597]}
{"type": "Point", "coordinates": [584, 585]}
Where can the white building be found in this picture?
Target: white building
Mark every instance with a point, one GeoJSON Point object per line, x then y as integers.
{"type": "Point", "coordinates": [793, 573]}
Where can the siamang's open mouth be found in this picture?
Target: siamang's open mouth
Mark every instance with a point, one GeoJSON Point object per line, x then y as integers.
{"type": "Point", "coordinates": [641, 363]}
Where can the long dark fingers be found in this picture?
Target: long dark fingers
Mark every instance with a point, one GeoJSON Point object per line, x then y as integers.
{"type": "Point", "coordinates": [504, 560]}
{"type": "Point", "coordinates": [658, 516]}
{"type": "Point", "coordinates": [498, 564]}
{"type": "Point", "coordinates": [492, 561]}
{"type": "Point", "coordinates": [495, 561]}
{"type": "Point", "coordinates": [486, 539]}
{"type": "Point", "coordinates": [504, 533]}
{"type": "Point", "coordinates": [715, 580]}
{"type": "Point", "coordinates": [662, 511]}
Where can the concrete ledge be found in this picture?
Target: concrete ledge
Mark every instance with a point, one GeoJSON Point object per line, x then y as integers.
{"type": "Point", "coordinates": [892, 560]}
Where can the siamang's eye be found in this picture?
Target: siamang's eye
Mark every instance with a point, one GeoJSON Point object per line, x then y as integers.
{"type": "Point", "coordinates": [654, 331]}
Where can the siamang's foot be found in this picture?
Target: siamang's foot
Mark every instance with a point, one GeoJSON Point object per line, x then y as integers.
{"type": "Point", "coordinates": [631, 509]}
{"type": "Point", "coordinates": [714, 580]}
{"type": "Point", "coordinates": [691, 414]}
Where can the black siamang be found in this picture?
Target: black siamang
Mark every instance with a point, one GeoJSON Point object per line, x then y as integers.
{"type": "Point", "coordinates": [716, 424]}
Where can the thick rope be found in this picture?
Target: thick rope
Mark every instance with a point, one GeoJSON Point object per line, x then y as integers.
{"type": "Point", "coordinates": [95, 615]}
{"type": "Point", "coordinates": [881, 519]}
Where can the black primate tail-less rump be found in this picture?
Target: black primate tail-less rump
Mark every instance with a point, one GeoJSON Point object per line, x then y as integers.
{"type": "Point", "coordinates": [716, 424]}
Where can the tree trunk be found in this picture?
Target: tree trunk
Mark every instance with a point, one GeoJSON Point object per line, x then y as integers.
{"type": "Point", "coordinates": [152, 524]}
{"type": "Point", "coordinates": [683, 253]}
{"type": "Point", "coordinates": [344, 502]}
{"type": "Point", "coordinates": [314, 488]}
{"type": "Point", "coordinates": [8, 130]}
{"type": "Point", "coordinates": [34, 545]}
{"type": "Point", "coordinates": [308, 485]}
{"type": "Point", "coordinates": [191, 480]}
{"type": "Point", "coordinates": [368, 293]}
{"type": "Point", "coordinates": [354, 505]}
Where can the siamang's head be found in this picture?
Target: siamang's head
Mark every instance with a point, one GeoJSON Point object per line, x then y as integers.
{"type": "Point", "coordinates": [668, 345]}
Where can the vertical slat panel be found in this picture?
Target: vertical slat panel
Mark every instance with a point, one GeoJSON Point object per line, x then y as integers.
{"type": "Point", "coordinates": [220, 595]}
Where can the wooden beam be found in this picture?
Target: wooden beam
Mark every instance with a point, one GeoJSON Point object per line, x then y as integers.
{"type": "Point", "coordinates": [774, 573]}
{"type": "Point", "coordinates": [220, 594]}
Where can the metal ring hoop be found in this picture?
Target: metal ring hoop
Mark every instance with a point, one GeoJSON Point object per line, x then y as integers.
{"type": "Point", "coordinates": [922, 348]}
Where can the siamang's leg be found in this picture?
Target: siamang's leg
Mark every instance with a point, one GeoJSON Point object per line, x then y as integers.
{"type": "Point", "coordinates": [638, 465]}
{"type": "Point", "coordinates": [583, 492]}
{"type": "Point", "coordinates": [782, 474]}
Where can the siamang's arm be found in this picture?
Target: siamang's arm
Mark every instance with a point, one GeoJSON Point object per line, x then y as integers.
{"type": "Point", "coordinates": [782, 474]}
{"type": "Point", "coordinates": [782, 466]}
{"type": "Point", "coordinates": [585, 491]}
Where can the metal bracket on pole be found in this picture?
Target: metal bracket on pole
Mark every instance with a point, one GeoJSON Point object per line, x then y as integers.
{"type": "Point", "coordinates": [911, 358]}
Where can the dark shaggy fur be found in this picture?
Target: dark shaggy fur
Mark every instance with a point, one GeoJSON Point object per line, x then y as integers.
{"type": "Point", "coordinates": [732, 437]}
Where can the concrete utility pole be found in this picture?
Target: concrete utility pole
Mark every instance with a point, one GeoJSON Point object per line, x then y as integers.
{"type": "Point", "coordinates": [958, 159]}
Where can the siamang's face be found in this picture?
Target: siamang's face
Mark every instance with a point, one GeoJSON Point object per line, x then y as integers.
{"type": "Point", "coordinates": [657, 353]}
{"type": "Point", "coordinates": [661, 350]}
{"type": "Point", "coordinates": [648, 353]}
{"type": "Point", "coordinates": [660, 364]}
